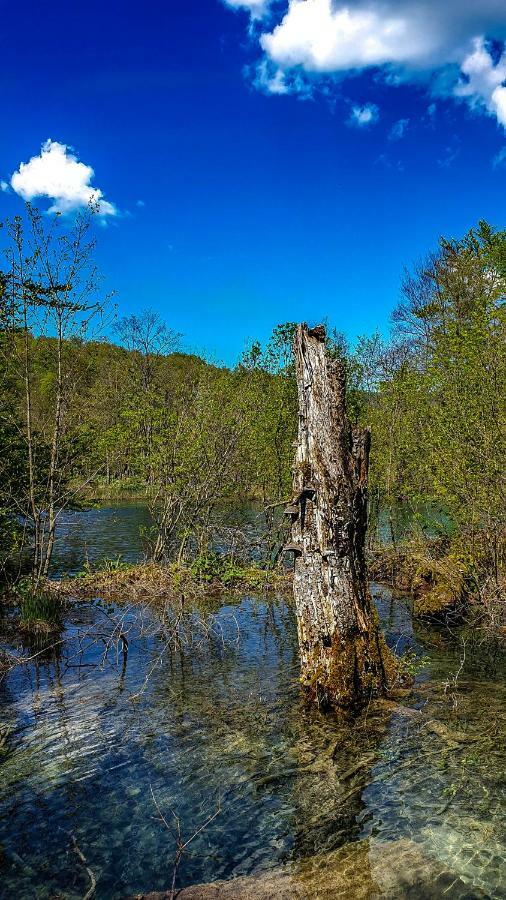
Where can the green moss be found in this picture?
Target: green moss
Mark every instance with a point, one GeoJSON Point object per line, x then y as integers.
{"type": "Point", "coordinates": [439, 587]}
{"type": "Point", "coordinates": [350, 672]}
{"type": "Point", "coordinates": [433, 573]}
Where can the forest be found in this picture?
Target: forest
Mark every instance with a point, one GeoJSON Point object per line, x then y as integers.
{"type": "Point", "coordinates": [87, 416]}
{"type": "Point", "coordinates": [101, 410]}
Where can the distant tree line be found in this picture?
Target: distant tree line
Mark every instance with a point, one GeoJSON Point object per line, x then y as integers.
{"type": "Point", "coordinates": [82, 416]}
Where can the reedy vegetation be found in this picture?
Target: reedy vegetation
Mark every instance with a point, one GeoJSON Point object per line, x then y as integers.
{"type": "Point", "coordinates": [82, 417]}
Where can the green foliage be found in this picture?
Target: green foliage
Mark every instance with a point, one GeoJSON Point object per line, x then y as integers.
{"type": "Point", "coordinates": [106, 566]}
{"type": "Point", "coordinates": [224, 568]}
{"type": "Point", "coordinates": [12, 486]}
{"type": "Point", "coordinates": [208, 566]}
{"type": "Point", "coordinates": [410, 664]}
{"type": "Point", "coordinates": [147, 418]}
{"type": "Point", "coordinates": [13, 459]}
{"type": "Point", "coordinates": [49, 288]}
{"type": "Point", "coordinates": [37, 605]}
{"type": "Point", "coordinates": [438, 411]}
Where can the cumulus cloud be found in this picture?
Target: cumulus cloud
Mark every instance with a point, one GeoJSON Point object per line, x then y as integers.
{"type": "Point", "coordinates": [421, 40]}
{"type": "Point", "coordinates": [398, 130]}
{"type": "Point", "coordinates": [322, 38]}
{"type": "Point", "coordinates": [58, 174]}
{"type": "Point", "coordinates": [362, 116]}
{"type": "Point", "coordinates": [483, 80]}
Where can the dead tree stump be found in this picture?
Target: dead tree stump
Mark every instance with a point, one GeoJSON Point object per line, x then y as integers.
{"type": "Point", "coordinates": [344, 658]}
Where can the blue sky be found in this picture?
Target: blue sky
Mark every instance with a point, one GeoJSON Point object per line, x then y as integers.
{"type": "Point", "coordinates": [252, 166]}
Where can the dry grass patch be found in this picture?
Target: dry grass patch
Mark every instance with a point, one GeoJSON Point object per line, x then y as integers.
{"type": "Point", "coordinates": [150, 583]}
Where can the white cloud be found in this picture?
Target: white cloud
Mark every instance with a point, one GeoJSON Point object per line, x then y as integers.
{"type": "Point", "coordinates": [499, 160]}
{"type": "Point", "coordinates": [398, 130]}
{"type": "Point", "coordinates": [58, 174]}
{"type": "Point", "coordinates": [4, 187]}
{"type": "Point", "coordinates": [322, 38]}
{"type": "Point", "coordinates": [420, 40]}
{"type": "Point", "coordinates": [256, 8]}
{"type": "Point", "coordinates": [484, 78]}
{"type": "Point", "coordinates": [269, 79]}
{"type": "Point", "coordinates": [272, 79]}
{"type": "Point", "coordinates": [362, 116]}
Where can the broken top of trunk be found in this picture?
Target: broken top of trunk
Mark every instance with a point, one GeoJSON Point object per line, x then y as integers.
{"type": "Point", "coordinates": [344, 658]}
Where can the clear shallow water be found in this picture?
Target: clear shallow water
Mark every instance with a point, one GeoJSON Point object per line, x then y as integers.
{"type": "Point", "coordinates": [411, 802]}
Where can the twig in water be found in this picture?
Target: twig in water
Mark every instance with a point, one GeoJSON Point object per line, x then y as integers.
{"type": "Point", "coordinates": [181, 844]}
{"type": "Point", "coordinates": [81, 857]}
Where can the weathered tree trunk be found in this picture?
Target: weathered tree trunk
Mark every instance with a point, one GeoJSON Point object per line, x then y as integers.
{"type": "Point", "coordinates": [343, 655]}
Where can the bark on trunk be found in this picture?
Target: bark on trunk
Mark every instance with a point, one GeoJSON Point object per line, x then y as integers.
{"type": "Point", "coordinates": [344, 658]}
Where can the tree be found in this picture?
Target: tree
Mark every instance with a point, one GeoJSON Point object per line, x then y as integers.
{"type": "Point", "coordinates": [148, 339]}
{"type": "Point", "coordinates": [344, 659]}
{"type": "Point", "coordinates": [13, 464]}
{"type": "Point", "coordinates": [196, 457]}
{"type": "Point", "coordinates": [269, 377]}
{"type": "Point", "coordinates": [439, 416]}
{"type": "Point", "coordinates": [51, 290]}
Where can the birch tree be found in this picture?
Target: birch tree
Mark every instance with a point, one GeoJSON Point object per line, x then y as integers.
{"type": "Point", "coordinates": [51, 290]}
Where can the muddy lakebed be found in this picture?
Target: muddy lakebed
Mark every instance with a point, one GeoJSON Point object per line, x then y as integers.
{"type": "Point", "coordinates": [96, 745]}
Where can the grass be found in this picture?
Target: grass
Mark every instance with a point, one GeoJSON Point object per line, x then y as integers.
{"type": "Point", "coordinates": [227, 570]}
{"type": "Point", "coordinates": [40, 609]}
{"type": "Point", "coordinates": [207, 578]}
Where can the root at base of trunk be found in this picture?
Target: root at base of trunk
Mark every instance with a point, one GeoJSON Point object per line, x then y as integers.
{"type": "Point", "coordinates": [350, 672]}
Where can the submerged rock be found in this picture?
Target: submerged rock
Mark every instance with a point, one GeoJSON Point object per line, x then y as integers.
{"type": "Point", "coordinates": [449, 735]}
{"type": "Point", "coordinates": [362, 870]}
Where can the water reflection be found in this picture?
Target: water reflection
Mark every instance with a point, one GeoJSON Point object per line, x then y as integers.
{"type": "Point", "coordinates": [87, 740]}
{"type": "Point", "coordinates": [85, 537]}
{"type": "Point", "coordinates": [118, 530]}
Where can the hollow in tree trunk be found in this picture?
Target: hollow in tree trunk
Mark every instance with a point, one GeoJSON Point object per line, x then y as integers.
{"type": "Point", "coordinates": [344, 658]}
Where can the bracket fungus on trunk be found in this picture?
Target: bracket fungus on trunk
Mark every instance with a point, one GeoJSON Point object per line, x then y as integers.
{"type": "Point", "coordinates": [344, 658]}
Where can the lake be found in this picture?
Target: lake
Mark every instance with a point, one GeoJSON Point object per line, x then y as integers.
{"type": "Point", "coordinates": [93, 747]}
